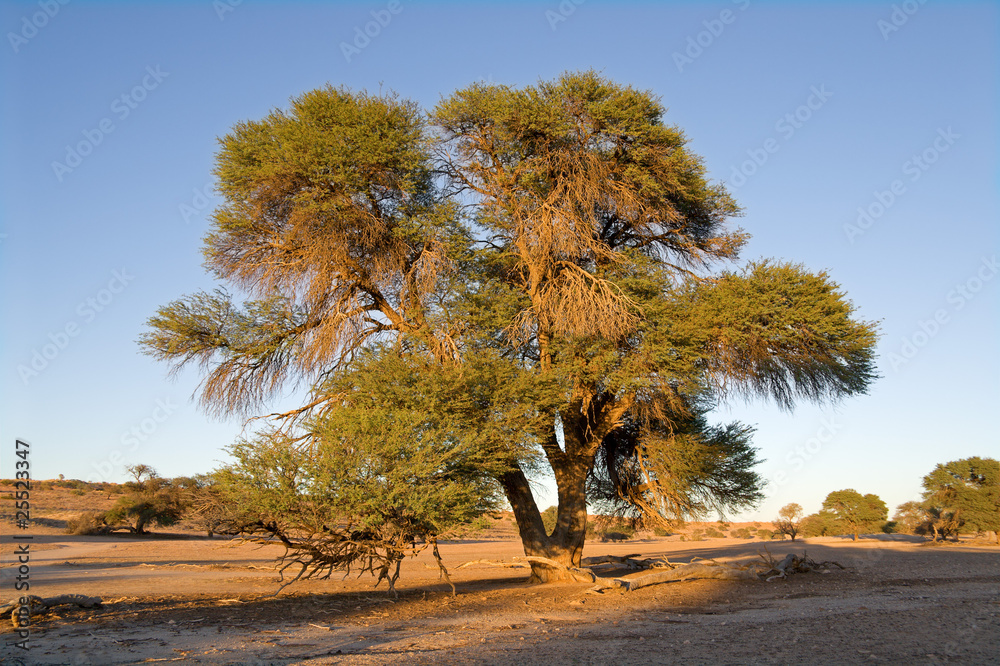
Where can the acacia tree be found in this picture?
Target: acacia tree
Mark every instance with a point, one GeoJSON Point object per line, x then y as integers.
{"type": "Point", "coordinates": [787, 521]}
{"type": "Point", "coordinates": [561, 232]}
{"type": "Point", "coordinates": [964, 495]}
{"type": "Point", "coordinates": [856, 512]}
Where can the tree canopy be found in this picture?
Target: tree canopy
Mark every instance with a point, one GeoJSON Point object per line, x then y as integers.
{"type": "Point", "coordinates": [964, 496]}
{"type": "Point", "coordinates": [856, 512]}
{"type": "Point", "coordinates": [546, 253]}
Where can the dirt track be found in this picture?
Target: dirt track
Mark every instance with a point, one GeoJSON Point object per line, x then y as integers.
{"type": "Point", "coordinates": [209, 602]}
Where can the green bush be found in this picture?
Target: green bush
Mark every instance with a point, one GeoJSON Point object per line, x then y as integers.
{"type": "Point", "coordinates": [88, 524]}
{"type": "Point", "coordinates": [549, 518]}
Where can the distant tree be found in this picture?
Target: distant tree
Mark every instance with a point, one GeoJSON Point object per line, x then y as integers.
{"type": "Point", "coordinates": [549, 518]}
{"type": "Point", "coordinates": [857, 512]}
{"type": "Point", "coordinates": [148, 500]}
{"type": "Point", "coordinates": [788, 520]}
{"type": "Point", "coordinates": [909, 517]}
{"type": "Point", "coordinates": [823, 523]}
{"type": "Point", "coordinates": [964, 496]}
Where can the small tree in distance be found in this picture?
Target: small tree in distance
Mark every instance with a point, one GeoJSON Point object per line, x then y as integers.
{"type": "Point", "coordinates": [788, 520]}
{"type": "Point", "coordinates": [964, 495]}
{"type": "Point", "coordinates": [857, 512]}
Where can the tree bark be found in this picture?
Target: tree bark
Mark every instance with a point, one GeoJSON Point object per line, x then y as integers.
{"type": "Point", "coordinates": [565, 545]}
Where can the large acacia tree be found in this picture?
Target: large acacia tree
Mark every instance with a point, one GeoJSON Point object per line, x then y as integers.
{"type": "Point", "coordinates": [561, 235]}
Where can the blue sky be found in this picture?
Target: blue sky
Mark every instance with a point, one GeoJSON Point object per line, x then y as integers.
{"type": "Point", "coordinates": [860, 139]}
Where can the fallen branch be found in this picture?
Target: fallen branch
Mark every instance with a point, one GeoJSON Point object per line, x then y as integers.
{"type": "Point", "coordinates": [495, 563]}
{"type": "Point", "coordinates": [37, 605]}
{"type": "Point", "coordinates": [694, 570]}
{"type": "Point", "coordinates": [769, 570]}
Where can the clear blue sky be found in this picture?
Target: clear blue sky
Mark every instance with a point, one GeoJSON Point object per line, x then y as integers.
{"type": "Point", "coordinates": [809, 111]}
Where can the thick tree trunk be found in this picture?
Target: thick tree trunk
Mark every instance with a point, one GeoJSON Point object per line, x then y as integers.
{"type": "Point", "coordinates": [565, 544]}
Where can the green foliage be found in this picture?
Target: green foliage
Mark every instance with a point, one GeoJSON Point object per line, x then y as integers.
{"type": "Point", "coordinates": [88, 524]}
{"type": "Point", "coordinates": [521, 278]}
{"type": "Point", "coordinates": [856, 512]}
{"type": "Point", "coordinates": [964, 496]}
{"type": "Point", "coordinates": [824, 523]}
{"type": "Point", "coordinates": [910, 517]}
{"type": "Point", "coordinates": [549, 518]}
{"type": "Point", "coordinates": [765, 534]}
{"type": "Point", "coordinates": [149, 500]}
{"type": "Point", "coordinates": [742, 533]}
{"type": "Point", "coordinates": [787, 522]}
{"type": "Point", "coordinates": [397, 461]}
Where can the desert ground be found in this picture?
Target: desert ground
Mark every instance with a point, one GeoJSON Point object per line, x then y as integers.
{"type": "Point", "coordinates": [182, 597]}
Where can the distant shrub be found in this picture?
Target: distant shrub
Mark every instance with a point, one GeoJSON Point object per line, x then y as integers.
{"type": "Point", "coordinates": [892, 527]}
{"type": "Point", "coordinates": [713, 533]}
{"type": "Point", "coordinates": [661, 531]}
{"type": "Point", "coordinates": [549, 518]}
{"type": "Point", "coordinates": [79, 491]}
{"type": "Point", "coordinates": [765, 534]}
{"type": "Point", "coordinates": [742, 533]}
{"type": "Point", "coordinates": [697, 535]}
{"type": "Point", "coordinates": [614, 536]}
{"type": "Point", "coordinates": [88, 524]}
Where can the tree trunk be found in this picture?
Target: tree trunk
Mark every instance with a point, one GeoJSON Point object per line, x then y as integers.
{"type": "Point", "coordinates": [565, 544]}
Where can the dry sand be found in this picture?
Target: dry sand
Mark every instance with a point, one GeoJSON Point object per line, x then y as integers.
{"type": "Point", "coordinates": [211, 601]}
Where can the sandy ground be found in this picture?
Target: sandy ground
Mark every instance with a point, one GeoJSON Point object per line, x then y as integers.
{"type": "Point", "coordinates": [205, 601]}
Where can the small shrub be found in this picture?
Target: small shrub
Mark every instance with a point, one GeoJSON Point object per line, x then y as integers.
{"type": "Point", "coordinates": [88, 524]}
{"type": "Point", "coordinates": [79, 491]}
{"type": "Point", "coordinates": [765, 534]}
{"type": "Point", "coordinates": [697, 535]}
{"type": "Point", "coordinates": [661, 531]}
{"type": "Point", "coordinates": [549, 518]}
{"type": "Point", "coordinates": [713, 533]}
{"type": "Point", "coordinates": [742, 533]}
